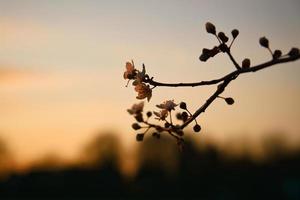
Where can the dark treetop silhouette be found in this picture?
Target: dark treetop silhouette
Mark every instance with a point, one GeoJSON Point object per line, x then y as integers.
{"type": "Point", "coordinates": [142, 83]}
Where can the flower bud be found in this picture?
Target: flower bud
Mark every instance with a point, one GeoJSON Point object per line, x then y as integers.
{"type": "Point", "coordinates": [204, 57]}
{"type": "Point", "coordinates": [214, 51]}
{"type": "Point", "coordinates": [139, 117]}
{"type": "Point", "coordinates": [197, 128]}
{"type": "Point", "coordinates": [234, 33]}
{"type": "Point", "coordinates": [182, 105]}
{"type": "Point", "coordinates": [184, 116]}
{"type": "Point", "coordinates": [210, 28]}
{"type": "Point", "coordinates": [178, 116]}
{"type": "Point", "coordinates": [149, 114]}
{"type": "Point", "coordinates": [294, 52]}
{"type": "Point", "coordinates": [229, 100]}
{"type": "Point", "coordinates": [136, 126]}
{"type": "Point", "coordinates": [263, 41]}
{"type": "Point", "coordinates": [223, 37]}
{"type": "Point", "coordinates": [140, 137]}
{"type": "Point", "coordinates": [277, 53]}
{"type": "Point", "coordinates": [205, 51]}
{"type": "Point", "coordinates": [223, 47]}
{"type": "Point", "coordinates": [246, 63]}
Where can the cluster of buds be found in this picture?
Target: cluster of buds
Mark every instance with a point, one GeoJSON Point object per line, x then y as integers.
{"type": "Point", "coordinates": [264, 42]}
{"type": "Point", "coordinates": [276, 54]}
{"type": "Point", "coordinates": [164, 120]}
{"type": "Point", "coordinates": [222, 38]}
{"type": "Point", "coordinates": [223, 47]}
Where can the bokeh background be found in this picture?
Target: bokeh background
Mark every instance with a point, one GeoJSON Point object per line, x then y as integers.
{"type": "Point", "coordinates": [63, 98]}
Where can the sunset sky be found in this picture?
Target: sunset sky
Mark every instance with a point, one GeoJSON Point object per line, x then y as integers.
{"type": "Point", "coordinates": [62, 64]}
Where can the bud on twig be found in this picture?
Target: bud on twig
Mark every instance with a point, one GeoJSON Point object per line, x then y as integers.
{"type": "Point", "coordinates": [205, 55]}
{"type": "Point", "coordinates": [184, 116]}
{"type": "Point", "coordinates": [246, 63]}
{"type": "Point", "coordinates": [178, 116]}
{"type": "Point", "coordinates": [264, 42]}
{"type": "Point", "coordinates": [210, 28]}
{"type": "Point", "coordinates": [229, 100]}
{"type": "Point", "coordinates": [223, 37]}
{"type": "Point", "coordinates": [139, 118]}
{"type": "Point", "coordinates": [182, 105]}
{"type": "Point", "coordinates": [223, 47]}
{"type": "Point", "coordinates": [149, 114]}
{"type": "Point", "coordinates": [277, 53]}
{"type": "Point", "coordinates": [197, 128]}
{"type": "Point", "coordinates": [136, 126]}
{"type": "Point", "coordinates": [234, 33]}
{"type": "Point", "coordinates": [294, 52]}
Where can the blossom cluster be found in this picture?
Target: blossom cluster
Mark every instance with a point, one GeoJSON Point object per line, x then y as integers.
{"type": "Point", "coordinates": [138, 77]}
{"type": "Point", "coordinates": [164, 120]}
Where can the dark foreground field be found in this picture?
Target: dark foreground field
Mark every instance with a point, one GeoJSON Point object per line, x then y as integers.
{"type": "Point", "coordinates": [199, 174]}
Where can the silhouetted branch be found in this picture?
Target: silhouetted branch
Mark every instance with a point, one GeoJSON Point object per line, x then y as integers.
{"type": "Point", "coordinates": [237, 66]}
{"type": "Point", "coordinates": [219, 91]}
{"type": "Point", "coordinates": [215, 81]}
{"type": "Point", "coordinates": [142, 83]}
{"type": "Point", "coordinates": [229, 78]}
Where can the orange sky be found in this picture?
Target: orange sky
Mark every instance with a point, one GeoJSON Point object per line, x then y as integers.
{"type": "Point", "coordinates": [61, 67]}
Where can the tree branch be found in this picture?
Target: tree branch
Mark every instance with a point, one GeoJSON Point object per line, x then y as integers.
{"type": "Point", "coordinates": [142, 83]}
{"type": "Point", "coordinates": [229, 78]}
{"type": "Point", "coordinates": [219, 91]}
{"type": "Point", "coordinates": [237, 66]}
{"type": "Point", "coordinates": [236, 72]}
{"type": "Point", "coordinates": [226, 80]}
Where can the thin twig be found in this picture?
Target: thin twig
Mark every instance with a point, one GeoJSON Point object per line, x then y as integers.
{"type": "Point", "coordinates": [237, 66]}
{"type": "Point", "coordinates": [236, 72]}
{"type": "Point", "coordinates": [229, 78]}
{"type": "Point", "coordinates": [220, 89]}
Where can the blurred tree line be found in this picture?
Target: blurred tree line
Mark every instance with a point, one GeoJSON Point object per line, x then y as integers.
{"type": "Point", "coordinates": [163, 172]}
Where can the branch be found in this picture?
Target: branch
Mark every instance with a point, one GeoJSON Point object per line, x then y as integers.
{"type": "Point", "coordinates": [194, 84]}
{"type": "Point", "coordinates": [221, 88]}
{"type": "Point", "coordinates": [232, 76]}
{"type": "Point", "coordinates": [219, 91]}
{"type": "Point", "coordinates": [142, 83]}
{"type": "Point", "coordinates": [271, 63]}
{"type": "Point", "coordinates": [237, 66]}
{"type": "Point", "coordinates": [236, 72]}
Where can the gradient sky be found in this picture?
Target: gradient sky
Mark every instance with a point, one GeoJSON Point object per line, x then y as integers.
{"type": "Point", "coordinates": [61, 67]}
